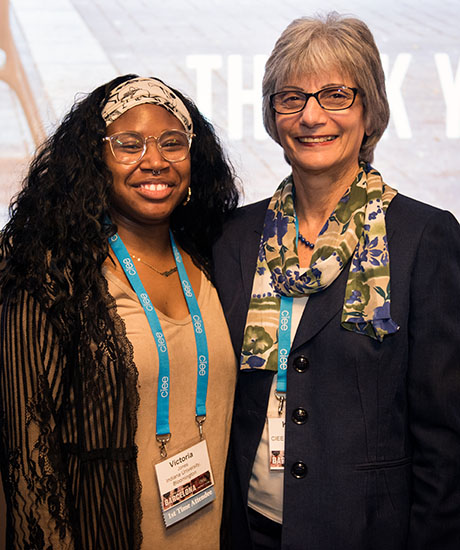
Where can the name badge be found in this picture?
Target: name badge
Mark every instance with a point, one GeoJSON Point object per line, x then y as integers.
{"type": "Point", "coordinates": [185, 482]}
{"type": "Point", "coordinates": [276, 442]}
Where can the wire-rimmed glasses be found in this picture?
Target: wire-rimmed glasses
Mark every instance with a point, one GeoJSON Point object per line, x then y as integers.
{"type": "Point", "coordinates": [130, 147]}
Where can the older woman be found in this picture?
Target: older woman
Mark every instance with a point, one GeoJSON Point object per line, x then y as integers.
{"type": "Point", "coordinates": [343, 301]}
{"type": "Point", "coordinates": [117, 372]}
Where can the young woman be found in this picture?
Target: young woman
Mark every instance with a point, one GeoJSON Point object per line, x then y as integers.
{"type": "Point", "coordinates": [116, 362]}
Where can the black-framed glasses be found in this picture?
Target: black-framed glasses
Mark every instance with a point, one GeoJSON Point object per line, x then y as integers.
{"type": "Point", "coordinates": [130, 147]}
{"type": "Point", "coordinates": [334, 98]}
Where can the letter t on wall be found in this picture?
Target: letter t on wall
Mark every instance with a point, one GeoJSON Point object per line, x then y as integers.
{"type": "Point", "coordinates": [238, 96]}
{"type": "Point", "coordinates": [204, 65]}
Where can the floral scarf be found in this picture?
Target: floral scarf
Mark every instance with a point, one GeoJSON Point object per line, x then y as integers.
{"type": "Point", "coordinates": [356, 229]}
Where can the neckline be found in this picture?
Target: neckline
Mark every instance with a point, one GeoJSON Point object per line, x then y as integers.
{"type": "Point", "coordinates": [132, 295]}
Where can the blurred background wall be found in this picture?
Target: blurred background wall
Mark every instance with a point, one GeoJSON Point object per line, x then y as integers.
{"type": "Point", "coordinates": [214, 51]}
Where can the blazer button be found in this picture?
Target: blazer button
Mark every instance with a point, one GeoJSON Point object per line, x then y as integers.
{"type": "Point", "coordinates": [299, 416]}
{"type": "Point", "coordinates": [301, 363]}
{"type": "Point", "coordinates": [299, 470]}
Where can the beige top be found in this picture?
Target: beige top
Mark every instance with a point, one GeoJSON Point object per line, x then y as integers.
{"type": "Point", "coordinates": [199, 531]}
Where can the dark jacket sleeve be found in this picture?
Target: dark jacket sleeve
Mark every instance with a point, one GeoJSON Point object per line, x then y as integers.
{"type": "Point", "coordinates": [434, 387]}
{"type": "Point", "coordinates": [30, 396]}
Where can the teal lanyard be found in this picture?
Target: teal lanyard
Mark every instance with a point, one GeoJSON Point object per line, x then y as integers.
{"type": "Point", "coordinates": [163, 432]}
{"type": "Point", "coordinates": [284, 348]}
{"type": "Point", "coordinates": [284, 341]}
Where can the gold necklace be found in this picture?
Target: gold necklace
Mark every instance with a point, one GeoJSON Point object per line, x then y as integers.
{"type": "Point", "coordinates": [166, 273]}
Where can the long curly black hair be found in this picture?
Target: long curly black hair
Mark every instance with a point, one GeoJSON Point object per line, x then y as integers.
{"type": "Point", "coordinates": [55, 242]}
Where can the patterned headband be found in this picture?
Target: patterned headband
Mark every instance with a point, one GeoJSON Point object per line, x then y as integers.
{"type": "Point", "coordinates": [137, 91]}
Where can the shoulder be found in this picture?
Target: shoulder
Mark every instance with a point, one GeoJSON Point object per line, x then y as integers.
{"type": "Point", "coordinates": [413, 219]}
{"type": "Point", "coordinates": [240, 239]}
{"type": "Point", "coordinates": [247, 220]}
{"type": "Point", "coordinates": [409, 211]}
{"type": "Point", "coordinates": [422, 240]}
{"type": "Point", "coordinates": [247, 217]}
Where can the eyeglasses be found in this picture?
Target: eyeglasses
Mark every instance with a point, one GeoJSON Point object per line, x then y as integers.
{"type": "Point", "coordinates": [335, 98]}
{"type": "Point", "coordinates": [130, 147]}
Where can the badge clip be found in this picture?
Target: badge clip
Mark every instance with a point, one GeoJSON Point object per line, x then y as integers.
{"type": "Point", "coordinates": [281, 398]}
{"type": "Point", "coordinates": [162, 440]}
{"type": "Point", "coordinates": [199, 419]}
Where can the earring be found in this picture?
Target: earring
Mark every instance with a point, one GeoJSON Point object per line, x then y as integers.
{"type": "Point", "coordinates": [187, 200]}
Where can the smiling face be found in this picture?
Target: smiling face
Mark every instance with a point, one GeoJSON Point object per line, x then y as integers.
{"type": "Point", "coordinates": [137, 195]}
{"type": "Point", "coordinates": [320, 142]}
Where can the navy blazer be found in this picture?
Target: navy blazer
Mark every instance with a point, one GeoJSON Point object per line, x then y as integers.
{"type": "Point", "coordinates": [376, 465]}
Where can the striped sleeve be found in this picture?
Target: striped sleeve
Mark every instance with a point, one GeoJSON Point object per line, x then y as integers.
{"type": "Point", "coordinates": [31, 388]}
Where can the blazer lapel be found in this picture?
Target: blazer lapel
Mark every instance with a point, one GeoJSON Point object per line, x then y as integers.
{"type": "Point", "coordinates": [320, 309]}
{"type": "Point", "coordinates": [249, 252]}
{"type": "Point", "coordinates": [249, 249]}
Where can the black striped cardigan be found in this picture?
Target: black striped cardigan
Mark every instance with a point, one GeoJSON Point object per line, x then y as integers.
{"type": "Point", "coordinates": [67, 424]}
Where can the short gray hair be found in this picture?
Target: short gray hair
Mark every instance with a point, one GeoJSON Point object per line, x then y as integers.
{"type": "Point", "coordinates": [311, 45]}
